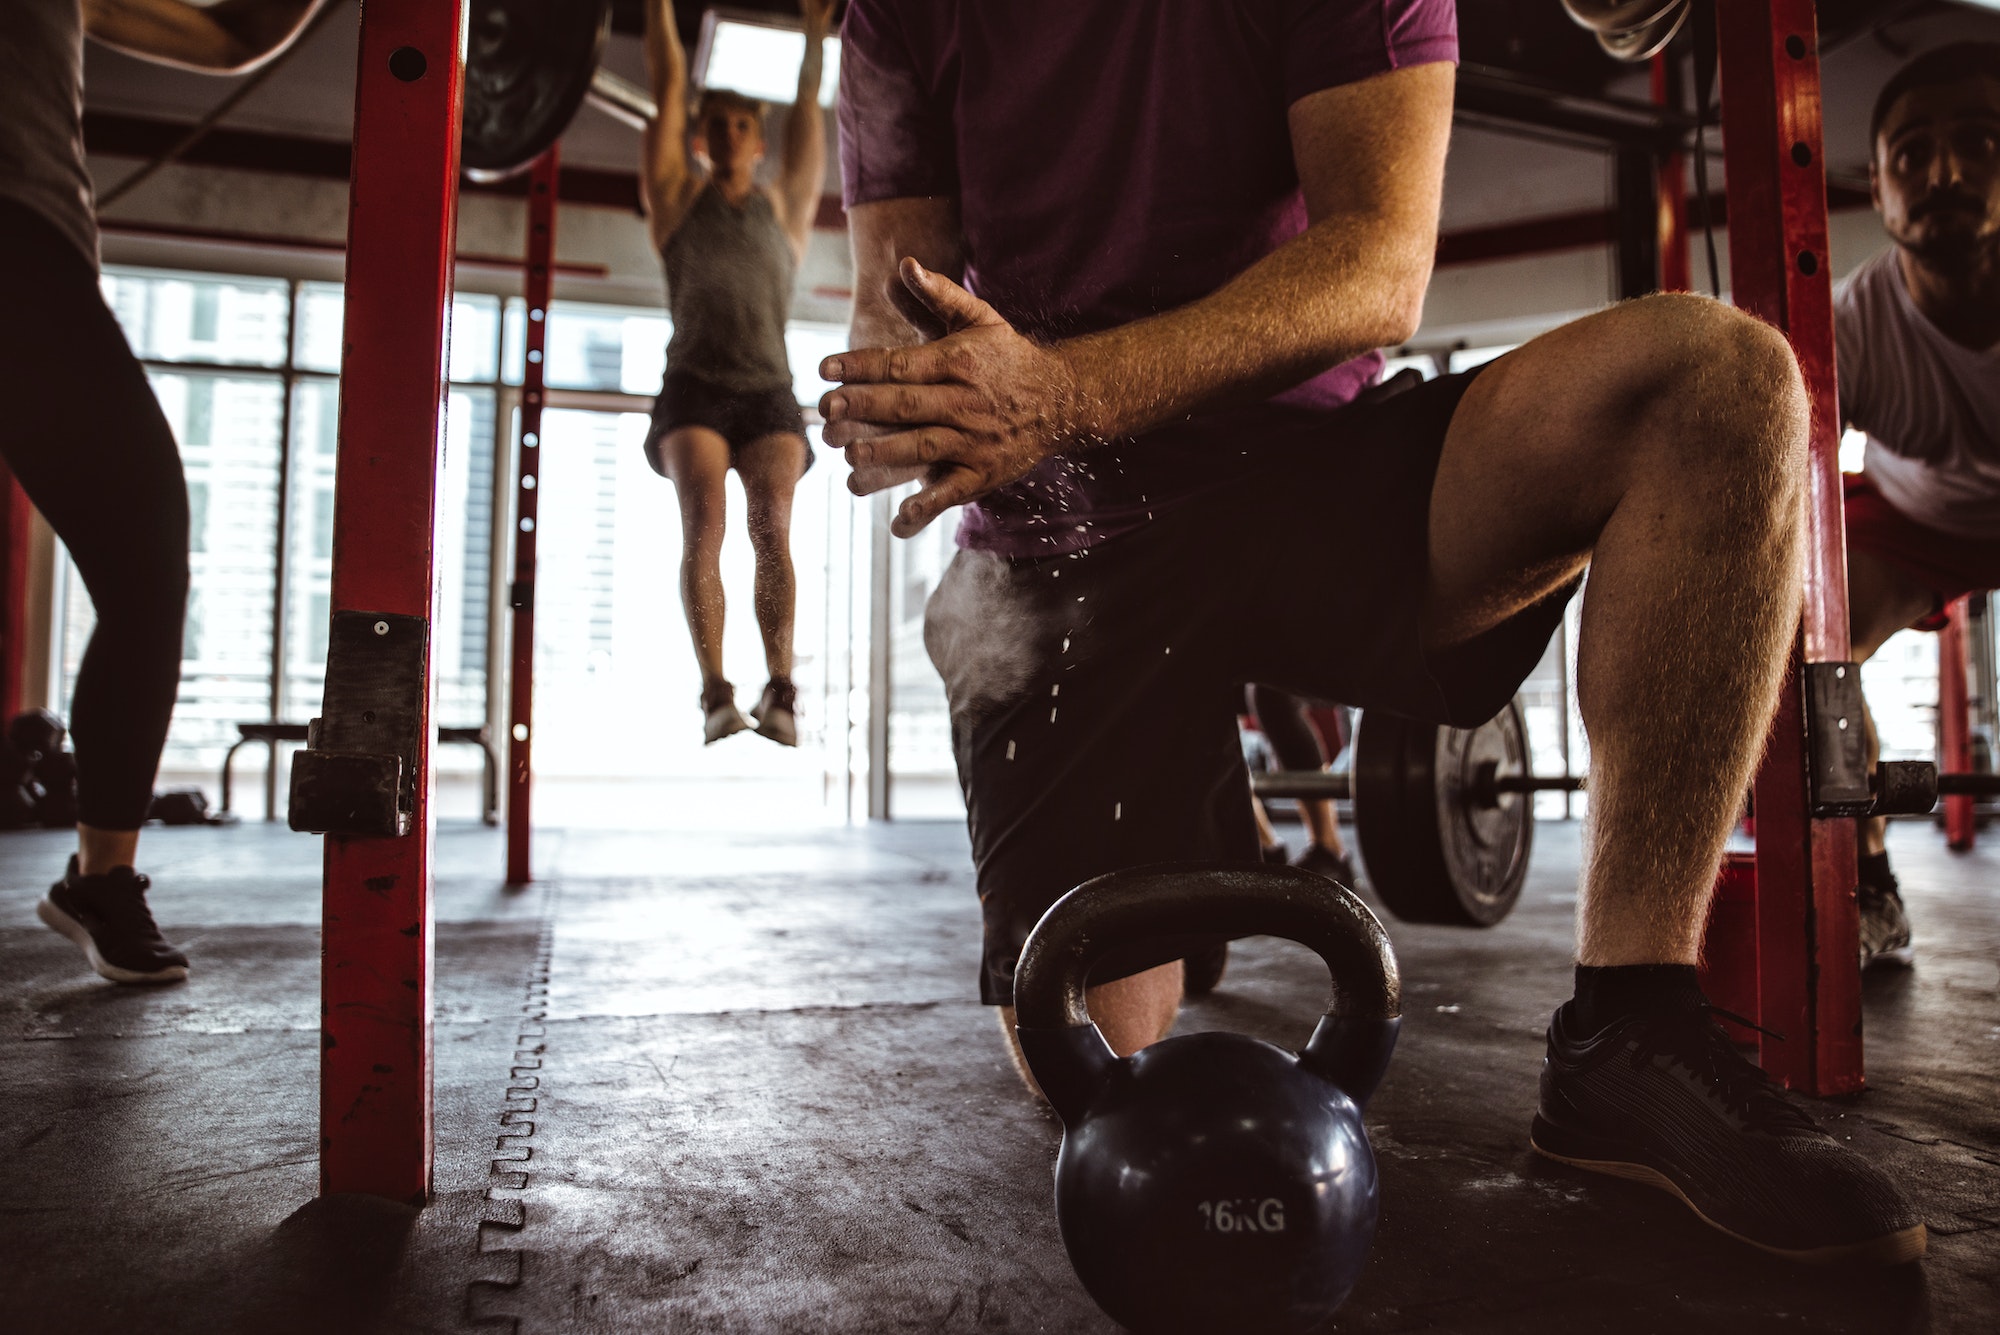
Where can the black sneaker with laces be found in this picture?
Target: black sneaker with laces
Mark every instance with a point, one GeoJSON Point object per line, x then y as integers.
{"type": "Point", "coordinates": [1664, 1098]}
{"type": "Point", "coordinates": [107, 917]}
{"type": "Point", "coordinates": [1885, 927]}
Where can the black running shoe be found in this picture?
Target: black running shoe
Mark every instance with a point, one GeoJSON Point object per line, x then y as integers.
{"type": "Point", "coordinates": [1664, 1098]}
{"type": "Point", "coordinates": [1323, 861]}
{"type": "Point", "coordinates": [108, 919]}
{"type": "Point", "coordinates": [1885, 927]}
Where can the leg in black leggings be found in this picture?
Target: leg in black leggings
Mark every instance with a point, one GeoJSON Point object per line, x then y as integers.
{"type": "Point", "coordinates": [88, 442]}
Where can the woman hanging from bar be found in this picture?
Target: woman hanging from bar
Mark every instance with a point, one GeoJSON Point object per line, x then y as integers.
{"type": "Point", "coordinates": [731, 246]}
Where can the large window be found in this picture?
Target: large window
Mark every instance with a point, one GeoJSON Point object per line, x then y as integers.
{"type": "Point", "coordinates": [246, 372]}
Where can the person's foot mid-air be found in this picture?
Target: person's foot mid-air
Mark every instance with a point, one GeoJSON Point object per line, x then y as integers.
{"type": "Point", "coordinates": [720, 717]}
{"type": "Point", "coordinates": [776, 712]}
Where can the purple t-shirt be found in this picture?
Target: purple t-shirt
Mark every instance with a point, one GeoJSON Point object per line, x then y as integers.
{"type": "Point", "coordinates": [1112, 159]}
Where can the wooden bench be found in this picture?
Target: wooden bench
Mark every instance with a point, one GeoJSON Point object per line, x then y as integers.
{"type": "Point", "coordinates": [273, 733]}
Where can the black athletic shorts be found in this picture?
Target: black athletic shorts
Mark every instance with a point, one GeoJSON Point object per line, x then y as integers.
{"type": "Point", "coordinates": [686, 400]}
{"type": "Point", "coordinates": [1094, 697]}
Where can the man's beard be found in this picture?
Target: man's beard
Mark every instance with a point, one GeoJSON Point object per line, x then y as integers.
{"type": "Point", "coordinates": [1959, 248]}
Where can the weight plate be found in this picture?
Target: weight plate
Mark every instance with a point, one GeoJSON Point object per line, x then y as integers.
{"type": "Point", "coordinates": [1434, 853]}
{"type": "Point", "coordinates": [528, 64]}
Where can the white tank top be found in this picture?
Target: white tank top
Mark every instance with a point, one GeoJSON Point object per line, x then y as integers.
{"type": "Point", "coordinates": [41, 115]}
{"type": "Point", "coordinates": [1931, 407]}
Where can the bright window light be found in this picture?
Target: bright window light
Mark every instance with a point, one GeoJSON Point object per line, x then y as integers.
{"type": "Point", "coordinates": [759, 56]}
{"type": "Point", "coordinates": [1853, 449]}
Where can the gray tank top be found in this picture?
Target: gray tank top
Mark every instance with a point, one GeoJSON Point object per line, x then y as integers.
{"type": "Point", "coordinates": [41, 115]}
{"type": "Point", "coordinates": [729, 288]}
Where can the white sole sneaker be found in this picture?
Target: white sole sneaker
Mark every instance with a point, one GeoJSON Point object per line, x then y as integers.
{"type": "Point", "coordinates": [780, 725]}
{"type": "Point", "coordinates": [723, 721]}
{"type": "Point", "coordinates": [56, 920]}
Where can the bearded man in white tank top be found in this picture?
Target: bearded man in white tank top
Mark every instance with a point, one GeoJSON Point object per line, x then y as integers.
{"type": "Point", "coordinates": [1918, 329]}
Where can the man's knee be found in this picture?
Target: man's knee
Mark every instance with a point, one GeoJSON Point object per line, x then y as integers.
{"type": "Point", "coordinates": [1729, 390]}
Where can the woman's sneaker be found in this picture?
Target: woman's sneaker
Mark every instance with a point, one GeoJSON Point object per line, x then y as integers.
{"type": "Point", "coordinates": [1664, 1098]}
{"type": "Point", "coordinates": [720, 716]}
{"type": "Point", "coordinates": [107, 917]}
{"type": "Point", "coordinates": [777, 712]}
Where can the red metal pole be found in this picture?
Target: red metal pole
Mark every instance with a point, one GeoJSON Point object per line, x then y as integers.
{"type": "Point", "coordinates": [17, 519]}
{"type": "Point", "coordinates": [375, 1063]}
{"type": "Point", "coordinates": [1955, 725]}
{"type": "Point", "coordinates": [1672, 191]}
{"type": "Point", "coordinates": [542, 181]}
{"type": "Point", "coordinates": [1808, 927]}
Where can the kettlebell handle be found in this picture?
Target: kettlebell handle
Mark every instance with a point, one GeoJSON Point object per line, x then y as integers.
{"type": "Point", "coordinates": [1068, 1055]}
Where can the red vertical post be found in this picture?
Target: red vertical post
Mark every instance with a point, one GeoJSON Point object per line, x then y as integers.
{"type": "Point", "coordinates": [1807, 922]}
{"type": "Point", "coordinates": [1672, 189]}
{"type": "Point", "coordinates": [375, 1062]}
{"type": "Point", "coordinates": [1955, 724]}
{"type": "Point", "coordinates": [542, 180]}
{"type": "Point", "coordinates": [17, 519]}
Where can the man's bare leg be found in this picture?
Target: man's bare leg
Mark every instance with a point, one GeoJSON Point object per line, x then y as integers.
{"type": "Point", "coordinates": [1666, 439]}
{"type": "Point", "coordinates": [1132, 1013]}
{"type": "Point", "coordinates": [771, 467]}
{"type": "Point", "coordinates": [697, 459]}
{"type": "Point", "coordinates": [1267, 834]}
{"type": "Point", "coordinates": [1662, 441]}
{"type": "Point", "coordinates": [1322, 825]}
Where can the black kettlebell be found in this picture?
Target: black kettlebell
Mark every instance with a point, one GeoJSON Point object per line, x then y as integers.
{"type": "Point", "coordinates": [1212, 1182]}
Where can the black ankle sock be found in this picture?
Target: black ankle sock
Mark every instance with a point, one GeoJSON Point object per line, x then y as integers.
{"type": "Point", "coordinates": [1611, 993]}
{"type": "Point", "coordinates": [1875, 871]}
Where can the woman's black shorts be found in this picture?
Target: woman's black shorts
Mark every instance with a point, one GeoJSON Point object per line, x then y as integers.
{"type": "Point", "coordinates": [739, 418]}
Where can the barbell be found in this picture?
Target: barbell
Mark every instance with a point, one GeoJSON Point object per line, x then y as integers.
{"type": "Point", "coordinates": [1444, 821]}
{"type": "Point", "coordinates": [1443, 815]}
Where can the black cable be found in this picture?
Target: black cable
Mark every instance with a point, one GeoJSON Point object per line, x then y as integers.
{"type": "Point", "coordinates": [1704, 94]}
{"type": "Point", "coordinates": [199, 130]}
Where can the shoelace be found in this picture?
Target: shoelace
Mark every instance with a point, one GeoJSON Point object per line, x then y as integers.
{"type": "Point", "coordinates": [124, 906]}
{"type": "Point", "coordinates": [1692, 1039]}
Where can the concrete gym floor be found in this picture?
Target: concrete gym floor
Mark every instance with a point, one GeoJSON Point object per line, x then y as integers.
{"type": "Point", "coordinates": [739, 1082]}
